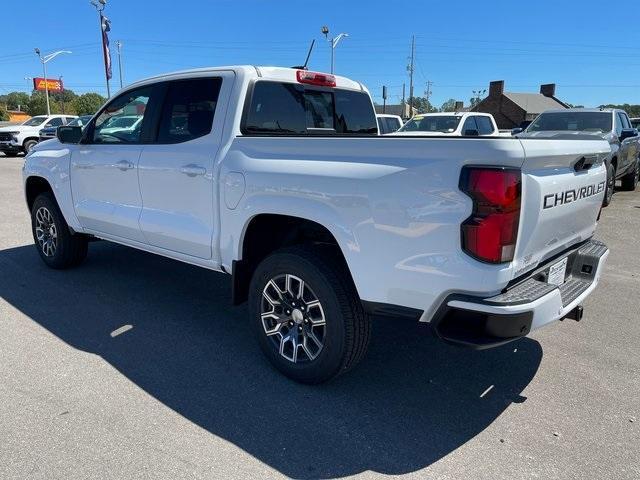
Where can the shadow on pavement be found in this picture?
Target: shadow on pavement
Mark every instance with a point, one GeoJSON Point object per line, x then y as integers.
{"type": "Point", "coordinates": [412, 401]}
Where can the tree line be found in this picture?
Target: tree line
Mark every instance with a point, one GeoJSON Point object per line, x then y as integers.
{"type": "Point", "coordinates": [35, 103]}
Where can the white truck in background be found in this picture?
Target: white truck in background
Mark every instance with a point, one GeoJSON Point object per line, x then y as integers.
{"type": "Point", "coordinates": [23, 137]}
{"type": "Point", "coordinates": [454, 124]}
{"type": "Point", "coordinates": [278, 177]}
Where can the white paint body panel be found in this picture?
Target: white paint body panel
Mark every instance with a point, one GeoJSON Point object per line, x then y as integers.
{"type": "Point", "coordinates": [392, 203]}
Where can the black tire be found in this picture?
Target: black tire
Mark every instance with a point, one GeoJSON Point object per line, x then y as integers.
{"type": "Point", "coordinates": [70, 249]}
{"type": "Point", "coordinates": [346, 331]}
{"type": "Point", "coordinates": [28, 145]}
{"type": "Point", "coordinates": [611, 184]}
{"type": "Point", "coordinates": [630, 180]}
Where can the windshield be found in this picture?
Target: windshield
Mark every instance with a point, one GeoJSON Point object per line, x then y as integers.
{"type": "Point", "coordinates": [572, 121]}
{"type": "Point", "coordinates": [435, 123]}
{"type": "Point", "coordinates": [34, 122]}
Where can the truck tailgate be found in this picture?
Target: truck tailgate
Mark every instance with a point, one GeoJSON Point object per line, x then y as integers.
{"type": "Point", "coordinates": [563, 184]}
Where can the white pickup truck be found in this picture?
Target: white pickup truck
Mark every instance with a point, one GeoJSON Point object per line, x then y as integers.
{"type": "Point", "coordinates": [277, 176]}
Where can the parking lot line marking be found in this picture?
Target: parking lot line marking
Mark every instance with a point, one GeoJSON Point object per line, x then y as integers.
{"type": "Point", "coordinates": [122, 329]}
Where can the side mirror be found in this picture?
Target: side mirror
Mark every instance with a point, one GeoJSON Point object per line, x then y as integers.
{"type": "Point", "coordinates": [68, 134]}
{"type": "Point", "coordinates": [516, 131]}
{"type": "Point", "coordinates": [471, 132]}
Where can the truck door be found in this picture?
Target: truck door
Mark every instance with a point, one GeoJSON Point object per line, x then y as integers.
{"type": "Point", "coordinates": [177, 174]}
{"type": "Point", "coordinates": [104, 167]}
{"type": "Point", "coordinates": [628, 147]}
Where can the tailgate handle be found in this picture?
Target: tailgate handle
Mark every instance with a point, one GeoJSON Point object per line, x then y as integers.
{"type": "Point", "coordinates": [584, 163]}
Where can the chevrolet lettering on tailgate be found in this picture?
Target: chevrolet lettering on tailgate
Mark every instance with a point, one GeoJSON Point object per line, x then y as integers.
{"type": "Point", "coordinates": [568, 196]}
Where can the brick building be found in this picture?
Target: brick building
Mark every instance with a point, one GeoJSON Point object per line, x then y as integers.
{"type": "Point", "coordinates": [511, 109]}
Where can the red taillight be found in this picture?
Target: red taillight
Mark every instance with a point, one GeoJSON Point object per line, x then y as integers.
{"type": "Point", "coordinates": [316, 78]}
{"type": "Point", "coordinates": [490, 233]}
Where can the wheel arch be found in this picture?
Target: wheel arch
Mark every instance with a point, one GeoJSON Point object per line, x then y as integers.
{"type": "Point", "coordinates": [265, 233]}
{"type": "Point", "coordinates": [34, 186]}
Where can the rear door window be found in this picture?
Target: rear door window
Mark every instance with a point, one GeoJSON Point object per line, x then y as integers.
{"type": "Point", "coordinates": [469, 124]}
{"type": "Point", "coordinates": [286, 108]}
{"type": "Point", "coordinates": [624, 120]}
{"type": "Point", "coordinates": [485, 127]}
{"type": "Point", "coordinates": [55, 122]}
{"type": "Point", "coordinates": [188, 109]}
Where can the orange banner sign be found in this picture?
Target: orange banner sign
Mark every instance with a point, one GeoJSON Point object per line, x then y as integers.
{"type": "Point", "coordinates": [42, 84]}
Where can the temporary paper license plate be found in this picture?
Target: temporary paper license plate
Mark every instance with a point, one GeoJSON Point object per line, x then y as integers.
{"type": "Point", "coordinates": [557, 272]}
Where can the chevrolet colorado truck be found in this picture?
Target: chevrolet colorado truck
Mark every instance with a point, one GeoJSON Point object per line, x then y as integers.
{"type": "Point", "coordinates": [279, 178]}
{"type": "Point", "coordinates": [611, 124]}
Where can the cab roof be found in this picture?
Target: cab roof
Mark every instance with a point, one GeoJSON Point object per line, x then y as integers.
{"type": "Point", "coordinates": [283, 74]}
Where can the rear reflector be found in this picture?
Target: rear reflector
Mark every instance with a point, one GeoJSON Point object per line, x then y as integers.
{"type": "Point", "coordinates": [490, 233]}
{"type": "Point", "coordinates": [316, 78]}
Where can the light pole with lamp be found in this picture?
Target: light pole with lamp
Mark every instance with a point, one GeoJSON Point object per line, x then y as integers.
{"type": "Point", "coordinates": [333, 42]}
{"type": "Point", "coordinates": [44, 60]}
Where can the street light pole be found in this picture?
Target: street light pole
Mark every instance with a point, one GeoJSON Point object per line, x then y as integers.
{"type": "Point", "coordinates": [333, 43]}
{"type": "Point", "coordinates": [44, 61]}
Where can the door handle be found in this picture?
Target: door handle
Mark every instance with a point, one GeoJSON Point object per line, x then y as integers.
{"type": "Point", "coordinates": [124, 165]}
{"type": "Point", "coordinates": [192, 170]}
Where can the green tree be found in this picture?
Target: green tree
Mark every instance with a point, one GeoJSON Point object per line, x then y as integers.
{"type": "Point", "coordinates": [449, 105]}
{"type": "Point", "coordinates": [4, 115]}
{"type": "Point", "coordinates": [632, 110]}
{"type": "Point", "coordinates": [37, 104]}
{"type": "Point", "coordinates": [422, 104]}
{"type": "Point", "coordinates": [14, 99]}
{"type": "Point", "coordinates": [66, 100]}
{"type": "Point", "coordinates": [88, 103]}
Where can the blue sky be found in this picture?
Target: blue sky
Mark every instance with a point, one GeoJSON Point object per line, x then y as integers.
{"type": "Point", "coordinates": [584, 47]}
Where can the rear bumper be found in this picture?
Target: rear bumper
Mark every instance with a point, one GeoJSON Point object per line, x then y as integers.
{"type": "Point", "coordinates": [525, 306]}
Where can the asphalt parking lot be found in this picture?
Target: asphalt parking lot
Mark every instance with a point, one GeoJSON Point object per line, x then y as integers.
{"type": "Point", "coordinates": [136, 366]}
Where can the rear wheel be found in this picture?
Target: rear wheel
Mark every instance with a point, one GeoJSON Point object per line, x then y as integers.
{"type": "Point", "coordinates": [611, 183]}
{"type": "Point", "coordinates": [630, 180]}
{"type": "Point", "coordinates": [307, 315]}
{"type": "Point", "coordinates": [57, 246]}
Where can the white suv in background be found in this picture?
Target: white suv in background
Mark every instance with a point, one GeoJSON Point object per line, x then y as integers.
{"type": "Point", "coordinates": [21, 138]}
{"type": "Point", "coordinates": [454, 124]}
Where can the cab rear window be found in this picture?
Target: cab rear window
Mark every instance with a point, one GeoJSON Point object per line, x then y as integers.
{"type": "Point", "coordinates": [279, 108]}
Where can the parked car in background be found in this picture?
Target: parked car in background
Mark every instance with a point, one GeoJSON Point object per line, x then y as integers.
{"type": "Point", "coordinates": [485, 238]}
{"type": "Point", "coordinates": [21, 138]}
{"type": "Point", "coordinates": [388, 123]}
{"type": "Point", "coordinates": [122, 125]}
{"type": "Point", "coordinates": [50, 132]}
{"type": "Point", "coordinates": [635, 122]}
{"type": "Point", "coordinates": [611, 124]}
{"type": "Point", "coordinates": [451, 124]}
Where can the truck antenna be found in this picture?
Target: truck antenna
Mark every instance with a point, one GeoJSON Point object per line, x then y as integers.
{"type": "Point", "coordinates": [304, 67]}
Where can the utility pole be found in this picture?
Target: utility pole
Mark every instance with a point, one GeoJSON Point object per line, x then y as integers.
{"type": "Point", "coordinates": [119, 45]}
{"type": "Point", "coordinates": [403, 100]}
{"type": "Point", "coordinates": [411, 68]}
{"type": "Point", "coordinates": [384, 99]}
{"type": "Point", "coordinates": [427, 92]}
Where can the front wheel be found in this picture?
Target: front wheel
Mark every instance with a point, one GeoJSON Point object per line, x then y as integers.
{"type": "Point", "coordinates": [57, 246]}
{"type": "Point", "coordinates": [307, 314]}
{"type": "Point", "coordinates": [630, 180]}
{"type": "Point", "coordinates": [28, 145]}
{"type": "Point", "coordinates": [611, 183]}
